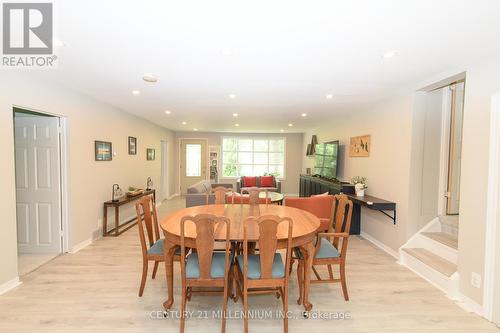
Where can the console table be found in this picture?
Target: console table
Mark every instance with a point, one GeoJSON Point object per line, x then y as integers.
{"type": "Point", "coordinates": [121, 228]}
{"type": "Point", "coordinates": [371, 202]}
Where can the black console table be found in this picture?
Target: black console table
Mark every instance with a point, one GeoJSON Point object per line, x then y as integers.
{"type": "Point", "coordinates": [310, 185]}
{"type": "Point", "coordinates": [374, 203]}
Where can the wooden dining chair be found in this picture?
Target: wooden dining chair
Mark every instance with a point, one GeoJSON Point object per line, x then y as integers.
{"type": "Point", "coordinates": [222, 194]}
{"type": "Point", "coordinates": [149, 235]}
{"type": "Point", "coordinates": [331, 248]}
{"type": "Point", "coordinates": [265, 271]}
{"type": "Point", "coordinates": [254, 196]}
{"type": "Point", "coordinates": [205, 267]}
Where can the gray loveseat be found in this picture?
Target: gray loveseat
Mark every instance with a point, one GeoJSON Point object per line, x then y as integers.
{"type": "Point", "coordinates": [196, 194]}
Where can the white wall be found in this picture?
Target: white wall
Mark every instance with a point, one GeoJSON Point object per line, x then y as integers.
{"type": "Point", "coordinates": [293, 159]}
{"type": "Point", "coordinates": [90, 182]}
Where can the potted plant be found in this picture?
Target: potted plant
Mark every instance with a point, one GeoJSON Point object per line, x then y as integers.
{"type": "Point", "coordinates": [359, 185]}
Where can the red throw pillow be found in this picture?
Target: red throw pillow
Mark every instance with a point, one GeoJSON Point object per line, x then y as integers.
{"type": "Point", "coordinates": [249, 181]}
{"type": "Point", "coordinates": [266, 181]}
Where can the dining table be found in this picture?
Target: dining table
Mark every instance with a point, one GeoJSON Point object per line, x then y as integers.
{"type": "Point", "coordinates": [305, 227]}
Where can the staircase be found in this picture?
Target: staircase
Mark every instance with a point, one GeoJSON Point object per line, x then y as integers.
{"type": "Point", "coordinates": [432, 253]}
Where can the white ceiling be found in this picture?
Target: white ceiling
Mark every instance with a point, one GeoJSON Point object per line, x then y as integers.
{"type": "Point", "coordinates": [279, 57]}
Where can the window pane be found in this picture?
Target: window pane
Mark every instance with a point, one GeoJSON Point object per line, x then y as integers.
{"type": "Point", "coordinates": [230, 170]}
{"type": "Point", "coordinates": [261, 145]}
{"type": "Point", "coordinates": [246, 170]}
{"type": "Point", "coordinates": [277, 145]}
{"type": "Point", "coordinates": [245, 158]}
{"type": "Point", "coordinates": [229, 144]}
{"type": "Point", "coordinates": [276, 170]}
{"type": "Point", "coordinates": [260, 170]}
{"type": "Point", "coordinates": [193, 160]}
{"type": "Point", "coordinates": [230, 157]}
{"type": "Point", "coordinates": [260, 158]}
{"type": "Point", "coordinates": [276, 158]}
{"type": "Point", "coordinates": [245, 145]}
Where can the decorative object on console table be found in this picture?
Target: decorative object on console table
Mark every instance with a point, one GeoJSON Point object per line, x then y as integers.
{"type": "Point", "coordinates": [150, 154]}
{"type": "Point", "coordinates": [133, 191]}
{"type": "Point", "coordinates": [149, 184]}
{"type": "Point", "coordinates": [360, 146]}
{"type": "Point", "coordinates": [121, 228]}
{"type": "Point", "coordinates": [132, 145]}
{"type": "Point", "coordinates": [359, 185]}
{"type": "Point", "coordinates": [103, 151]}
{"type": "Point", "coordinates": [117, 193]}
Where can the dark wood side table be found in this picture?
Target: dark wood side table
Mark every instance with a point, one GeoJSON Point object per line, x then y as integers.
{"type": "Point", "coordinates": [370, 202]}
{"type": "Point", "coordinates": [119, 229]}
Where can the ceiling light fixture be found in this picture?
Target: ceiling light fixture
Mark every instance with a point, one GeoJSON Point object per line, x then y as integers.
{"type": "Point", "coordinates": [304, 115]}
{"type": "Point", "coordinates": [329, 96]}
{"type": "Point", "coordinates": [290, 125]}
{"type": "Point", "coordinates": [235, 115]}
{"type": "Point", "coordinates": [232, 96]}
{"type": "Point", "coordinates": [136, 92]}
{"type": "Point", "coordinates": [148, 77]}
{"type": "Point", "coordinates": [227, 51]}
{"type": "Point", "coordinates": [195, 129]}
{"type": "Point", "coordinates": [390, 54]}
{"type": "Point", "coordinates": [168, 112]}
{"type": "Point", "coordinates": [184, 123]}
{"type": "Point", "coordinates": [282, 130]}
{"type": "Point", "coordinates": [237, 125]}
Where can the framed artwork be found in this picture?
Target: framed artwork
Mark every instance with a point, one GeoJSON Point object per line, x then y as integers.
{"type": "Point", "coordinates": [103, 151]}
{"type": "Point", "coordinates": [150, 154]}
{"type": "Point", "coordinates": [360, 146]}
{"type": "Point", "coordinates": [132, 145]}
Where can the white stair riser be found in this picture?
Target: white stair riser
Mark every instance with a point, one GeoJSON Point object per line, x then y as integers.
{"type": "Point", "coordinates": [448, 285]}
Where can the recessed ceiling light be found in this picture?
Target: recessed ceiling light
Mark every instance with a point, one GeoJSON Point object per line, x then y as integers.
{"type": "Point", "coordinates": [290, 125]}
{"type": "Point", "coordinates": [237, 125]}
{"type": "Point", "coordinates": [168, 112]}
{"type": "Point", "coordinates": [235, 115]}
{"type": "Point", "coordinates": [329, 96]}
{"type": "Point", "coordinates": [304, 115]}
{"type": "Point", "coordinates": [184, 123]}
{"type": "Point", "coordinates": [58, 43]}
{"type": "Point", "coordinates": [232, 96]}
{"type": "Point", "coordinates": [136, 92]}
{"type": "Point", "coordinates": [227, 51]}
{"type": "Point", "coordinates": [195, 129]}
{"type": "Point", "coordinates": [148, 77]}
{"type": "Point", "coordinates": [390, 54]}
{"type": "Point", "coordinates": [282, 130]}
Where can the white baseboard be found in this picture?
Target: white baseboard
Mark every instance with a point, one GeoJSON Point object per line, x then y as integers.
{"type": "Point", "coordinates": [380, 245]}
{"type": "Point", "coordinates": [11, 284]}
{"type": "Point", "coordinates": [81, 245]}
{"type": "Point", "coordinates": [470, 305]}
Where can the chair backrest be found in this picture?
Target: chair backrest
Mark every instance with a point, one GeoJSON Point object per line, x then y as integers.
{"type": "Point", "coordinates": [220, 193]}
{"type": "Point", "coordinates": [204, 225]}
{"type": "Point", "coordinates": [268, 242]}
{"type": "Point", "coordinates": [322, 206]}
{"type": "Point", "coordinates": [342, 220]}
{"type": "Point", "coordinates": [147, 220]}
{"type": "Point", "coordinates": [253, 195]}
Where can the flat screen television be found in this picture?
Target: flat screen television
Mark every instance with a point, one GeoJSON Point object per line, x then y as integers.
{"type": "Point", "coordinates": [326, 159]}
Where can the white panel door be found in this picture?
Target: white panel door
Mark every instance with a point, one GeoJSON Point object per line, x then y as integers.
{"type": "Point", "coordinates": [38, 190]}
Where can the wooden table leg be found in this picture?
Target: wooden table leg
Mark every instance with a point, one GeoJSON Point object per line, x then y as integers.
{"type": "Point", "coordinates": [308, 252]}
{"type": "Point", "coordinates": [105, 222]}
{"type": "Point", "coordinates": [117, 220]}
{"type": "Point", "coordinates": [169, 250]}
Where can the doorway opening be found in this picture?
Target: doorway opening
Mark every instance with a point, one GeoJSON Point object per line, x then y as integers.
{"type": "Point", "coordinates": [40, 161]}
{"type": "Point", "coordinates": [193, 162]}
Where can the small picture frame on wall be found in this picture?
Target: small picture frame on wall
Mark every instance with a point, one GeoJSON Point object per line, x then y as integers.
{"type": "Point", "coordinates": [150, 154]}
{"type": "Point", "coordinates": [132, 145]}
{"type": "Point", "coordinates": [103, 151]}
{"type": "Point", "coordinates": [360, 146]}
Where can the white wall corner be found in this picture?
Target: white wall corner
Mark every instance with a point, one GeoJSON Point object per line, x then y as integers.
{"type": "Point", "coordinates": [380, 245]}
{"type": "Point", "coordinates": [11, 284]}
{"type": "Point", "coordinates": [81, 245]}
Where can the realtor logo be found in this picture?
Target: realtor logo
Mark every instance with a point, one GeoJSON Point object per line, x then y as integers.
{"type": "Point", "coordinates": [27, 30]}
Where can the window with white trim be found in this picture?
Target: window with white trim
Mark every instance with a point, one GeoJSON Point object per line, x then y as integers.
{"type": "Point", "coordinates": [253, 156]}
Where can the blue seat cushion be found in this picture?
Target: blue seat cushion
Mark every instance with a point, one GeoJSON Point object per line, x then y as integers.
{"type": "Point", "coordinates": [254, 266]}
{"type": "Point", "coordinates": [216, 271]}
{"type": "Point", "coordinates": [157, 248]}
{"type": "Point", "coordinates": [326, 250]}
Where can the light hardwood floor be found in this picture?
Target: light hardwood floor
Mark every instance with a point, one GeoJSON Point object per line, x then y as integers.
{"type": "Point", "coordinates": [95, 290]}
